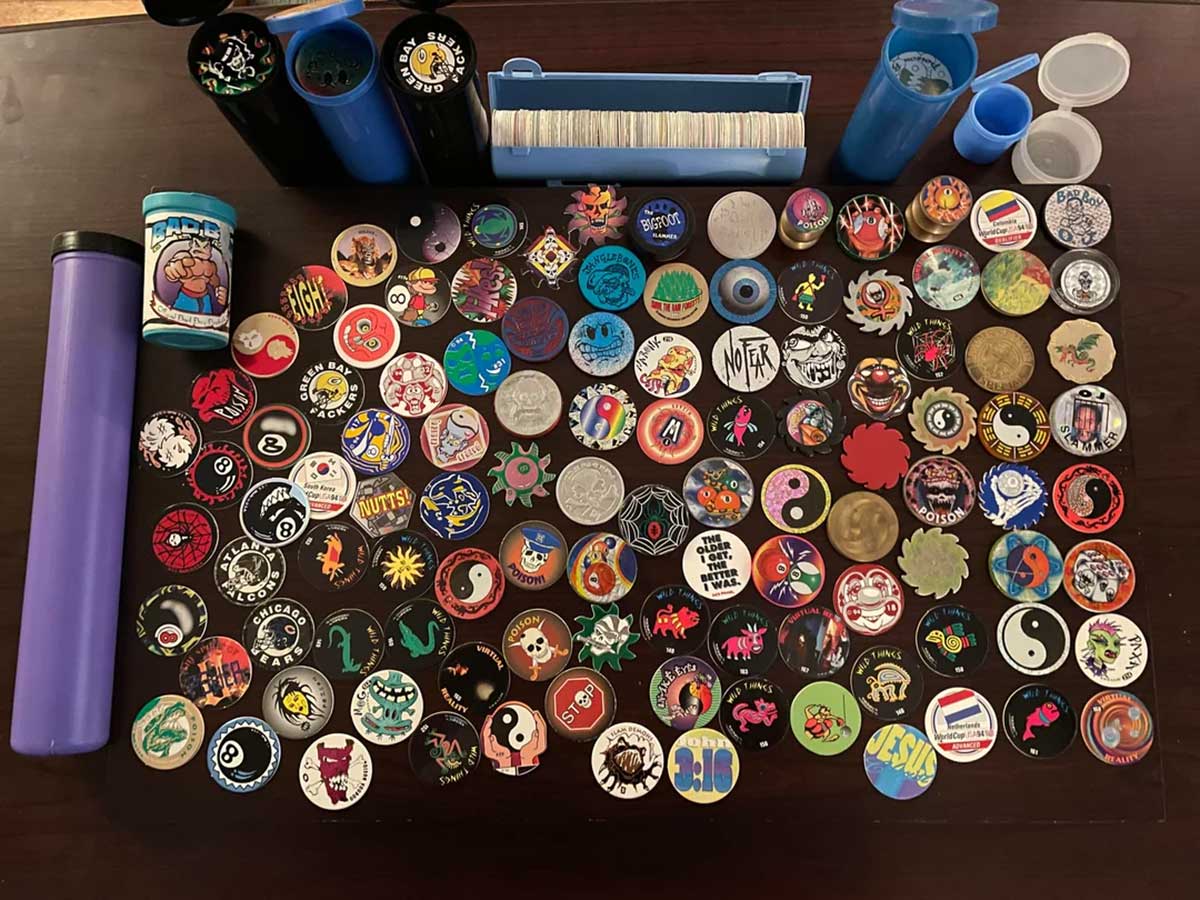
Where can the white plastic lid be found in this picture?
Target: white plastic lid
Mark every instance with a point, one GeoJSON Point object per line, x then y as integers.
{"type": "Point", "coordinates": [1084, 70]}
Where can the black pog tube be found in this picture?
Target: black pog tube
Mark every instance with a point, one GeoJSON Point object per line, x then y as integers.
{"type": "Point", "coordinates": [429, 61]}
{"type": "Point", "coordinates": [239, 64]}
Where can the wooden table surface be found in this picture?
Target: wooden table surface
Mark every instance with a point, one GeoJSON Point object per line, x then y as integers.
{"type": "Point", "coordinates": [93, 117]}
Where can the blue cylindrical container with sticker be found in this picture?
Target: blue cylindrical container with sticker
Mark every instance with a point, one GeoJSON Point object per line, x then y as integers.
{"type": "Point", "coordinates": [188, 273]}
{"type": "Point", "coordinates": [332, 63]}
{"type": "Point", "coordinates": [926, 63]}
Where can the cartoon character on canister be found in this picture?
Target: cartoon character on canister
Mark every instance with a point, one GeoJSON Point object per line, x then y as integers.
{"type": "Point", "coordinates": [195, 270]}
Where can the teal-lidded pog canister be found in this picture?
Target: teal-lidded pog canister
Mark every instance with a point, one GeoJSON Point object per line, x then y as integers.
{"type": "Point", "coordinates": [189, 264]}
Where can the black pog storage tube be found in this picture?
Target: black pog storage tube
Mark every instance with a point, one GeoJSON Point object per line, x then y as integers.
{"type": "Point", "coordinates": [239, 64]}
{"type": "Point", "coordinates": [430, 64]}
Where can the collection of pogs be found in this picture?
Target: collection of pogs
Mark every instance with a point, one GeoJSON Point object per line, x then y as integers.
{"type": "Point", "coordinates": [374, 473]}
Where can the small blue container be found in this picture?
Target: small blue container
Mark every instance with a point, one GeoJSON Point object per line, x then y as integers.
{"type": "Point", "coordinates": [893, 118]}
{"type": "Point", "coordinates": [523, 85]}
{"type": "Point", "coordinates": [998, 115]}
{"type": "Point", "coordinates": [363, 124]}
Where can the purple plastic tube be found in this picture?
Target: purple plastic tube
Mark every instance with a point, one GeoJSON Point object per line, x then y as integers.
{"type": "Point", "coordinates": [62, 703]}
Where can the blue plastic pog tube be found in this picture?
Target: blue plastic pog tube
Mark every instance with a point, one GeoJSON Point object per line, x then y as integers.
{"type": "Point", "coordinates": [926, 62]}
{"type": "Point", "coordinates": [332, 63]}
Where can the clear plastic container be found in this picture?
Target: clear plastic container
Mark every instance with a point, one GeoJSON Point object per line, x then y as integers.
{"type": "Point", "coordinates": [1061, 146]}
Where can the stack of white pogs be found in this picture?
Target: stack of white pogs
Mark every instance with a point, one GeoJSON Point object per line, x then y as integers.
{"type": "Point", "coordinates": [645, 129]}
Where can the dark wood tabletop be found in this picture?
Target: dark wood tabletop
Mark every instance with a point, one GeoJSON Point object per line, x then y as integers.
{"type": "Point", "coordinates": [94, 117]}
